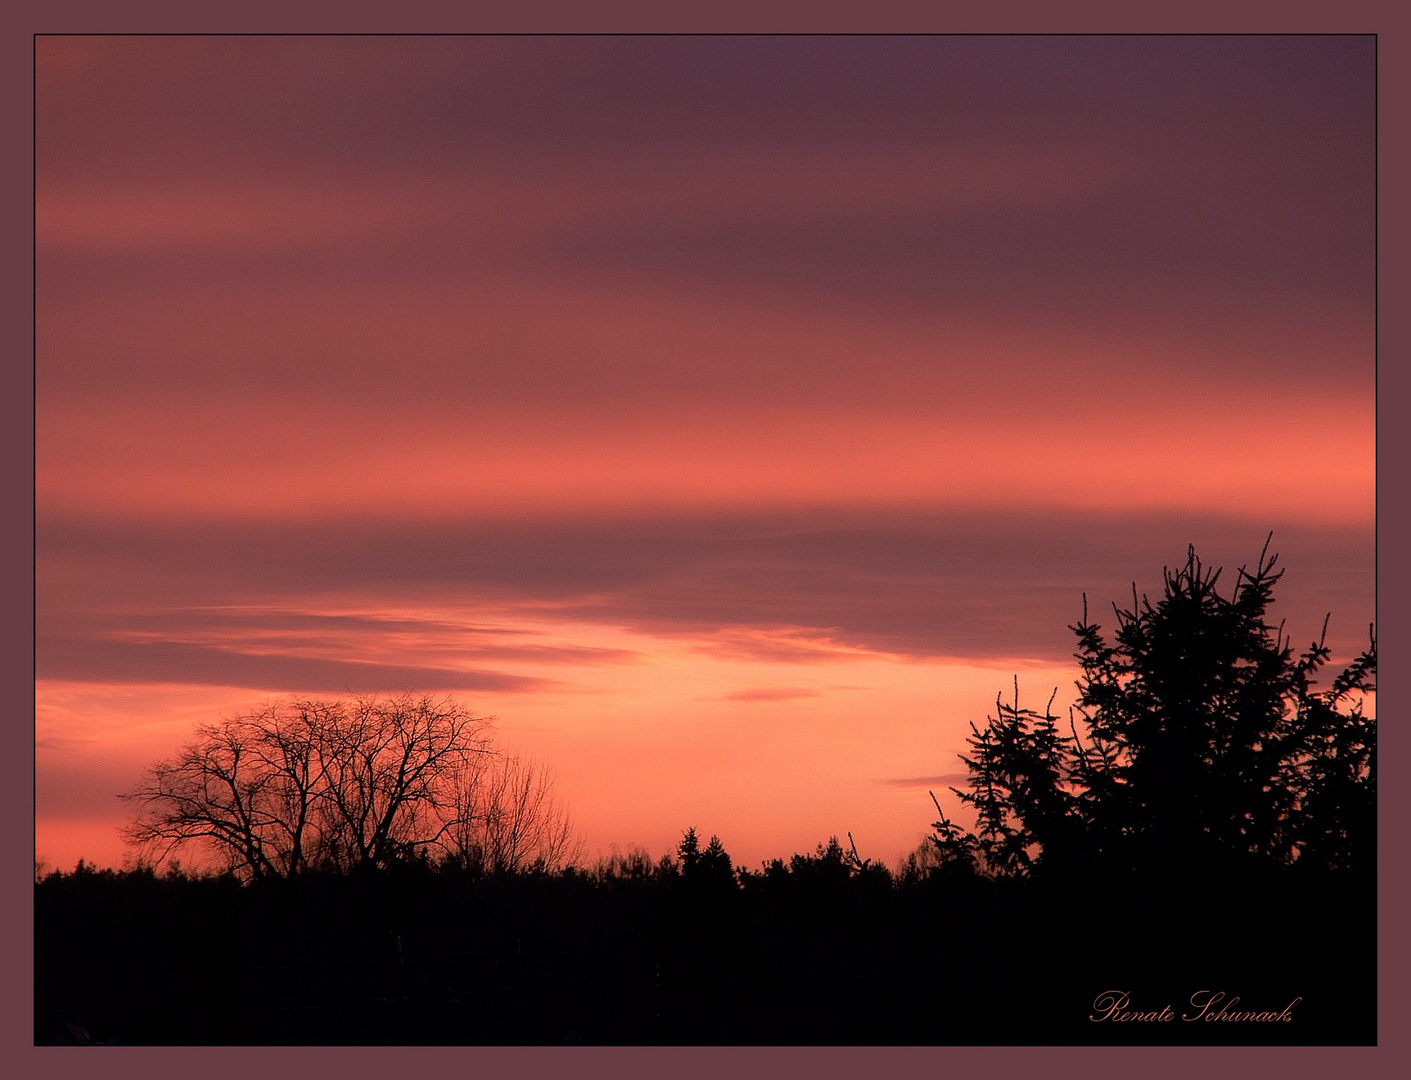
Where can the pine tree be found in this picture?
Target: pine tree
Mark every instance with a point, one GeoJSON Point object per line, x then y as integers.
{"type": "Point", "coordinates": [689, 850]}
{"type": "Point", "coordinates": [1198, 740]}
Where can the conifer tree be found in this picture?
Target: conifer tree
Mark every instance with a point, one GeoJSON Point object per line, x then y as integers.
{"type": "Point", "coordinates": [1199, 739]}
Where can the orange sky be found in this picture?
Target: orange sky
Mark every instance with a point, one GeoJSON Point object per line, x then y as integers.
{"type": "Point", "coordinates": [732, 418]}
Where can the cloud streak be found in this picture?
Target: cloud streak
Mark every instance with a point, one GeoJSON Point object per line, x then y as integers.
{"type": "Point", "coordinates": [792, 586]}
{"type": "Point", "coordinates": [767, 694]}
{"type": "Point", "coordinates": [944, 780]}
{"type": "Point", "coordinates": [104, 660]}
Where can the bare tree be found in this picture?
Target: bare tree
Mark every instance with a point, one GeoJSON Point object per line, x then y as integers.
{"type": "Point", "coordinates": [391, 775]}
{"type": "Point", "coordinates": [315, 784]}
{"type": "Point", "coordinates": [509, 820]}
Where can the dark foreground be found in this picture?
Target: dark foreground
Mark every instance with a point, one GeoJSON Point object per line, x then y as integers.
{"type": "Point", "coordinates": [816, 953]}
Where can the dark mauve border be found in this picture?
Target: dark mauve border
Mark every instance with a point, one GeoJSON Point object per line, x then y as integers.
{"type": "Point", "coordinates": [28, 17]}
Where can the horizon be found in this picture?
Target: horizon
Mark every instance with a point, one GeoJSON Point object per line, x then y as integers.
{"type": "Point", "coordinates": [734, 419]}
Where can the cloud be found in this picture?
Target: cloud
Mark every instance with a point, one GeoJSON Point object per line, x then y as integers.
{"type": "Point", "coordinates": [788, 644]}
{"type": "Point", "coordinates": [269, 192]}
{"type": "Point", "coordinates": [69, 787]}
{"type": "Point", "coordinates": [980, 586]}
{"type": "Point", "coordinates": [944, 780]}
{"type": "Point", "coordinates": [108, 660]}
{"type": "Point", "coordinates": [766, 694]}
{"type": "Point", "coordinates": [197, 103]}
{"type": "Point", "coordinates": [312, 634]}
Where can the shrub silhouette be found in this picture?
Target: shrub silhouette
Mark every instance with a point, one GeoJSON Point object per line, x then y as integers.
{"type": "Point", "coordinates": [1199, 741]}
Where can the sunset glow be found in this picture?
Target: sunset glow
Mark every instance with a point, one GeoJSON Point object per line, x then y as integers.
{"type": "Point", "coordinates": [731, 418]}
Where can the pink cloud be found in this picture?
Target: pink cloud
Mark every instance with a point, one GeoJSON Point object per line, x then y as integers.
{"type": "Point", "coordinates": [766, 694]}
{"type": "Point", "coordinates": [809, 586]}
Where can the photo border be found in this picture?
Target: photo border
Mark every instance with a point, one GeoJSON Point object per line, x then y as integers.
{"type": "Point", "coordinates": [163, 16]}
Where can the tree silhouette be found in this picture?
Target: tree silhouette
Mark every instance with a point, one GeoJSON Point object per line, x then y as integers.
{"type": "Point", "coordinates": [706, 867]}
{"type": "Point", "coordinates": [508, 820]}
{"type": "Point", "coordinates": [689, 850]}
{"type": "Point", "coordinates": [349, 786]}
{"type": "Point", "coordinates": [1198, 740]}
{"type": "Point", "coordinates": [714, 863]}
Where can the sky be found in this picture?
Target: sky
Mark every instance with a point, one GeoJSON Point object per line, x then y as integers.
{"type": "Point", "coordinates": [731, 418]}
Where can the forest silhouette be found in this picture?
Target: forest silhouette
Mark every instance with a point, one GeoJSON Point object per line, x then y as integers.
{"type": "Point", "coordinates": [1189, 859]}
